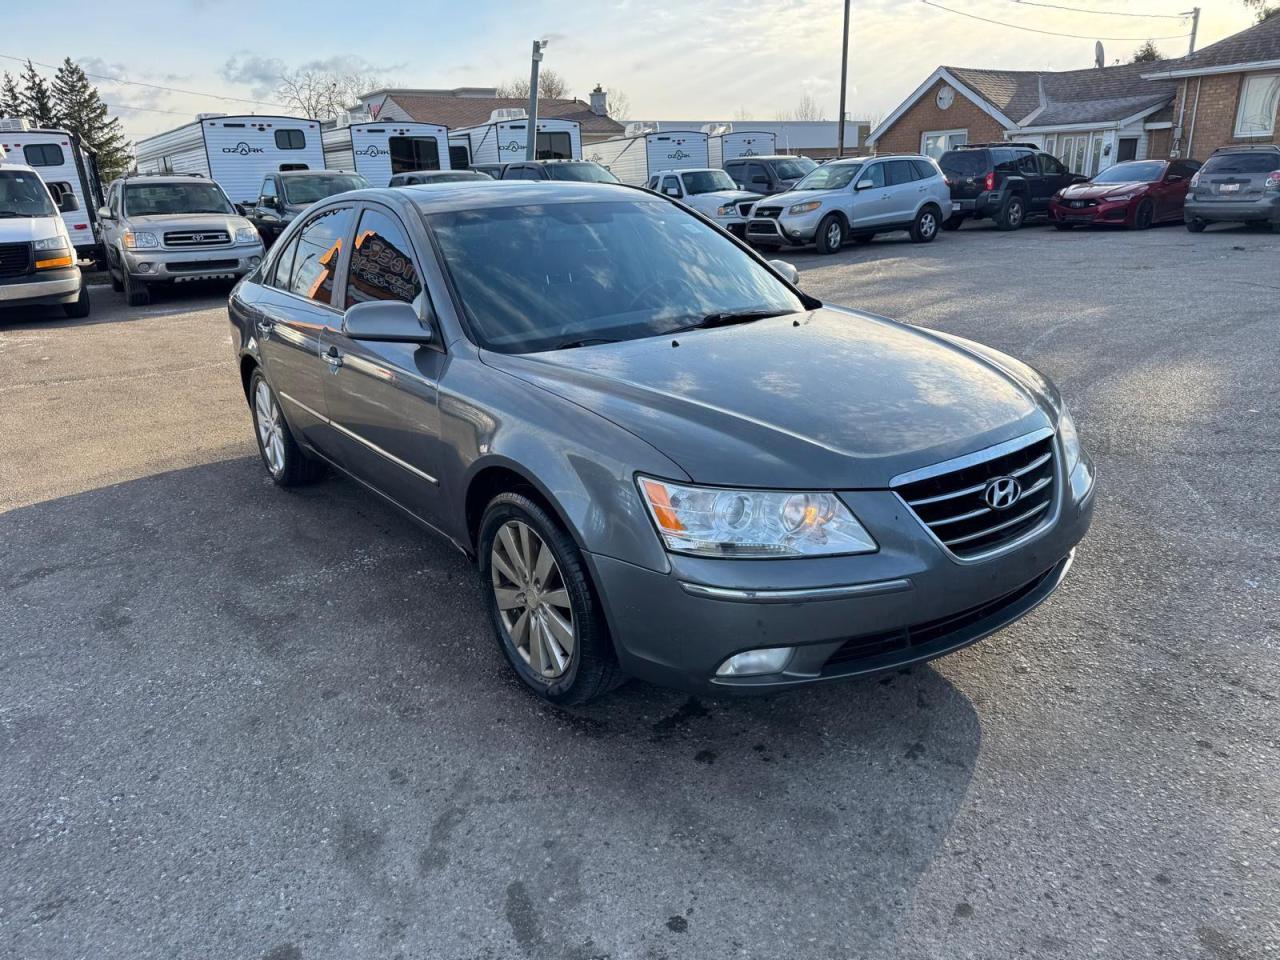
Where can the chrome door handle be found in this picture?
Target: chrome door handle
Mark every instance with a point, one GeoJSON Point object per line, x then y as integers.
{"type": "Point", "coordinates": [265, 327]}
{"type": "Point", "coordinates": [333, 358]}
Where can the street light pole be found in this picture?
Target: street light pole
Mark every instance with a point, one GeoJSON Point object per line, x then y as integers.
{"type": "Point", "coordinates": [844, 78]}
{"type": "Point", "coordinates": [531, 134]}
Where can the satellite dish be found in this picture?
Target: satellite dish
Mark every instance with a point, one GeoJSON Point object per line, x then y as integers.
{"type": "Point", "coordinates": [1099, 58]}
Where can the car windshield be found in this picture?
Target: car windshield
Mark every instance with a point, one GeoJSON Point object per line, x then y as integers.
{"type": "Point", "coordinates": [707, 181]}
{"type": "Point", "coordinates": [580, 172]}
{"type": "Point", "coordinates": [1264, 161]}
{"type": "Point", "coordinates": [23, 194]}
{"type": "Point", "coordinates": [793, 169]}
{"type": "Point", "coordinates": [830, 176]}
{"type": "Point", "coordinates": [1144, 171]}
{"type": "Point", "coordinates": [965, 163]}
{"type": "Point", "coordinates": [299, 190]}
{"type": "Point", "coordinates": [540, 276]}
{"type": "Point", "coordinates": [151, 199]}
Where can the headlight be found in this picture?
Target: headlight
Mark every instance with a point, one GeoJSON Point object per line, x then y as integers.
{"type": "Point", "coordinates": [1070, 439]}
{"type": "Point", "coordinates": [1122, 196]}
{"type": "Point", "coordinates": [726, 522]}
{"type": "Point", "coordinates": [246, 235]}
{"type": "Point", "coordinates": [140, 240]}
{"type": "Point", "coordinates": [52, 243]}
{"type": "Point", "coordinates": [807, 207]}
{"type": "Point", "coordinates": [728, 210]}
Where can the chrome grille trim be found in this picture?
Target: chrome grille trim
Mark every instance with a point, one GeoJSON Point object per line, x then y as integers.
{"type": "Point", "coordinates": [186, 239]}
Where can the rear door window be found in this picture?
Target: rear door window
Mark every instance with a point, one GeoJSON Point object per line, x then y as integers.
{"type": "Point", "coordinates": [1050, 166]}
{"type": "Point", "coordinates": [900, 171]}
{"type": "Point", "coordinates": [315, 265]}
{"type": "Point", "coordinates": [1006, 161]}
{"type": "Point", "coordinates": [1027, 165]}
{"type": "Point", "coordinates": [924, 169]}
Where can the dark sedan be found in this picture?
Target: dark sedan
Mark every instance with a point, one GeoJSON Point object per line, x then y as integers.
{"type": "Point", "coordinates": [1136, 194]}
{"type": "Point", "coordinates": [666, 460]}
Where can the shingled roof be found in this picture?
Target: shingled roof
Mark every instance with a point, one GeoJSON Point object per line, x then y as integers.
{"type": "Point", "coordinates": [1258, 44]}
{"type": "Point", "coordinates": [455, 111]}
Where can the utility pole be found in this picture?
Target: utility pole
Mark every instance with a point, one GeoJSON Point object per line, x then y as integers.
{"type": "Point", "coordinates": [1195, 25]}
{"type": "Point", "coordinates": [531, 134]}
{"type": "Point", "coordinates": [844, 79]}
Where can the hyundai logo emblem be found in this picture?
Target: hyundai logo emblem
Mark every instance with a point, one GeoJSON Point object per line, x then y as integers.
{"type": "Point", "coordinates": [1002, 493]}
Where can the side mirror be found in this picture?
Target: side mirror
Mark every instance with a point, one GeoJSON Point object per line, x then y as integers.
{"type": "Point", "coordinates": [788, 271]}
{"type": "Point", "coordinates": [672, 192]}
{"type": "Point", "coordinates": [1175, 178]}
{"type": "Point", "coordinates": [104, 213]}
{"type": "Point", "coordinates": [68, 203]}
{"type": "Point", "coordinates": [386, 321]}
{"type": "Point", "coordinates": [241, 208]}
{"type": "Point", "coordinates": [865, 185]}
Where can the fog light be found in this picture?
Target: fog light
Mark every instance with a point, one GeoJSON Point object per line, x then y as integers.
{"type": "Point", "coordinates": [752, 663]}
{"type": "Point", "coordinates": [254, 261]}
{"type": "Point", "coordinates": [144, 267]}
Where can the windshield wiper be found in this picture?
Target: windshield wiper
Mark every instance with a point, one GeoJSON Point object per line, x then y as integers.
{"type": "Point", "coordinates": [582, 342]}
{"type": "Point", "coordinates": [15, 213]}
{"type": "Point", "coordinates": [729, 318]}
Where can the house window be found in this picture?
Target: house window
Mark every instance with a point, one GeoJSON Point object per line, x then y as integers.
{"type": "Point", "coordinates": [934, 143]}
{"type": "Point", "coordinates": [1259, 98]}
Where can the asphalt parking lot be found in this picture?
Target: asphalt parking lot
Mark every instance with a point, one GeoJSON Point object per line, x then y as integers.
{"type": "Point", "coordinates": [242, 723]}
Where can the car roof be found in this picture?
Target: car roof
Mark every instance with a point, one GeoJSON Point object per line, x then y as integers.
{"type": "Point", "coordinates": [300, 174]}
{"type": "Point", "coordinates": [20, 167]}
{"type": "Point", "coordinates": [478, 194]}
{"type": "Point", "coordinates": [166, 178]}
{"type": "Point", "coordinates": [1249, 148]}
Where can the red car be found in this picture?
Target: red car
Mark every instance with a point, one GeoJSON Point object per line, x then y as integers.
{"type": "Point", "coordinates": [1134, 194]}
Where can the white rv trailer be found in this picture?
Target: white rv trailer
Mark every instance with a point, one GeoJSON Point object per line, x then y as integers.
{"type": "Point", "coordinates": [504, 137]}
{"type": "Point", "coordinates": [731, 144]}
{"type": "Point", "coordinates": [634, 159]}
{"type": "Point", "coordinates": [65, 167]}
{"type": "Point", "coordinates": [379, 150]}
{"type": "Point", "coordinates": [459, 150]}
{"type": "Point", "coordinates": [236, 152]}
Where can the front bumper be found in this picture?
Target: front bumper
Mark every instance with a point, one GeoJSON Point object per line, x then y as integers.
{"type": "Point", "coordinates": [1240, 211]}
{"type": "Point", "coordinates": [1113, 212]}
{"type": "Point", "coordinates": [48, 287]}
{"type": "Point", "coordinates": [159, 265]}
{"type": "Point", "coordinates": [785, 229]}
{"type": "Point", "coordinates": [845, 616]}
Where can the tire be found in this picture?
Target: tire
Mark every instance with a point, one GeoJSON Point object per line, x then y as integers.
{"type": "Point", "coordinates": [80, 308]}
{"type": "Point", "coordinates": [116, 283]}
{"type": "Point", "coordinates": [1012, 215]}
{"type": "Point", "coordinates": [952, 223]}
{"type": "Point", "coordinates": [1197, 226]}
{"type": "Point", "coordinates": [1275, 227]}
{"type": "Point", "coordinates": [1143, 218]}
{"type": "Point", "coordinates": [1064, 226]}
{"type": "Point", "coordinates": [831, 234]}
{"type": "Point", "coordinates": [287, 465]}
{"type": "Point", "coordinates": [924, 229]}
{"type": "Point", "coordinates": [136, 292]}
{"type": "Point", "coordinates": [514, 533]}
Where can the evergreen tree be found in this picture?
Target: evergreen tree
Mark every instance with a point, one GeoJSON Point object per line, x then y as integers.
{"type": "Point", "coordinates": [37, 101]}
{"type": "Point", "coordinates": [10, 99]}
{"type": "Point", "coordinates": [80, 109]}
{"type": "Point", "coordinates": [1147, 53]}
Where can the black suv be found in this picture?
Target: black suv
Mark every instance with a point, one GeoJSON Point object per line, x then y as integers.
{"type": "Point", "coordinates": [1238, 183]}
{"type": "Point", "coordinates": [285, 195]}
{"type": "Point", "coordinates": [581, 171]}
{"type": "Point", "coordinates": [768, 175]}
{"type": "Point", "coordinates": [1007, 182]}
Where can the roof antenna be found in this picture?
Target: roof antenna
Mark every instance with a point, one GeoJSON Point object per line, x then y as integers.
{"type": "Point", "coordinates": [1099, 57]}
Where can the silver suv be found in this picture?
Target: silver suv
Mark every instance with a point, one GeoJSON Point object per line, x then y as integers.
{"type": "Point", "coordinates": [171, 229]}
{"type": "Point", "coordinates": [1241, 184]}
{"type": "Point", "coordinates": [855, 199]}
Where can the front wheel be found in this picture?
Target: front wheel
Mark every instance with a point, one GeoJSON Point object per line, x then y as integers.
{"type": "Point", "coordinates": [1196, 226]}
{"type": "Point", "coordinates": [78, 308]}
{"type": "Point", "coordinates": [136, 292]}
{"type": "Point", "coordinates": [542, 604]}
{"type": "Point", "coordinates": [1012, 215]}
{"type": "Point", "coordinates": [1146, 213]}
{"type": "Point", "coordinates": [925, 227]}
{"type": "Point", "coordinates": [281, 455]}
{"type": "Point", "coordinates": [830, 237]}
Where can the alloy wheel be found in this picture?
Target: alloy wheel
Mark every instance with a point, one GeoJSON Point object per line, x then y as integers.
{"type": "Point", "coordinates": [928, 225]}
{"type": "Point", "coordinates": [532, 598]}
{"type": "Point", "coordinates": [270, 427]}
{"type": "Point", "coordinates": [835, 234]}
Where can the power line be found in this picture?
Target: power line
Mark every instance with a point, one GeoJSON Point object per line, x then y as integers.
{"type": "Point", "coordinates": [1102, 13]}
{"type": "Point", "coordinates": [153, 86]}
{"type": "Point", "coordinates": [1049, 33]}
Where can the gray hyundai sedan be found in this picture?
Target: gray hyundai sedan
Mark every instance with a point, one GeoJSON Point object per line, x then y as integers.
{"type": "Point", "coordinates": [666, 459]}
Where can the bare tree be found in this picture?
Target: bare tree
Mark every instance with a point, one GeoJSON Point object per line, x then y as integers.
{"type": "Point", "coordinates": [322, 94]}
{"type": "Point", "coordinates": [1262, 8]}
{"type": "Point", "coordinates": [619, 106]}
{"type": "Point", "coordinates": [550, 85]}
{"type": "Point", "coordinates": [743, 114]}
{"type": "Point", "coordinates": [806, 109]}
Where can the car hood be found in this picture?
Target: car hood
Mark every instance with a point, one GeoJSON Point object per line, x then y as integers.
{"type": "Point", "coordinates": [27, 229]}
{"type": "Point", "coordinates": [189, 221]}
{"type": "Point", "coordinates": [726, 196]}
{"type": "Point", "coordinates": [1096, 191]}
{"type": "Point", "coordinates": [829, 398]}
{"type": "Point", "coordinates": [800, 196]}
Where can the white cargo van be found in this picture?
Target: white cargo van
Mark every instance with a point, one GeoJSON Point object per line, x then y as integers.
{"type": "Point", "coordinates": [37, 261]}
{"type": "Point", "coordinates": [733, 144]}
{"type": "Point", "coordinates": [237, 152]}
{"type": "Point", "coordinates": [504, 137]}
{"type": "Point", "coordinates": [377, 151]}
{"type": "Point", "coordinates": [65, 167]}
{"type": "Point", "coordinates": [634, 159]}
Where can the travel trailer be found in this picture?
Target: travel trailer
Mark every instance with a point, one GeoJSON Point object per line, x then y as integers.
{"type": "Point", "coordinates": [504, 138]}
{"type": "Point", "coordinates": [377, 151]}
{"type": "Point", "coordinates": [65, 167]}
{"type": "Point", "coordinates": [236, 152]}
{"type": "Point", "coordinates": [635, 158]}
{"type": "Point", "coordinates": [729, 144]}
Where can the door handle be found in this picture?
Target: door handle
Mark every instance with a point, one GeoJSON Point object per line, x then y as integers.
{"type": "Point", "coordinates": [265, 327]}
{"type": "Point", "coordinates": [333, 358]}
{"type": "Point", "coordinates": [885, 196]}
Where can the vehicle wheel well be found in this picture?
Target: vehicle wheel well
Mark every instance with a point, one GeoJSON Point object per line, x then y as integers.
{"type": "Point", "coordinates": [247, 366]}
{"type": "Point", "coordinates": [490, 482]}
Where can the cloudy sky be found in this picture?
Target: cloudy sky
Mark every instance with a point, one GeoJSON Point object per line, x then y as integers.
{"type": "Point", "coordinates": [674, 59]}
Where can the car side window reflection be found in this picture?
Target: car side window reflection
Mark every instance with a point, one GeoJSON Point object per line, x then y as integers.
{"type": "Point", "coordinates": [319, 249]}
{"type": "Point", "coordinates": [382, 265]}
{"type": "Point", "coordinates": [874, 173]}
{"type": "Point", "coordinates": [282, 266]}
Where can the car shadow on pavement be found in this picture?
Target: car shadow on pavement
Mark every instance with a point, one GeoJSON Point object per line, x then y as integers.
{"type": "Point", "coordinates": [217, 694]}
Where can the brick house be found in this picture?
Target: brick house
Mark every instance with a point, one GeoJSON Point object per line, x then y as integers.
{"type": "Point", "coordinates": [468, 106]}
{"type": "Point", "coordinates": [1227, 93]}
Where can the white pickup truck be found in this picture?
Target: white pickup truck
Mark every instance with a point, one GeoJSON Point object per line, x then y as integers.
{"type": "Point", "coordinates": [709, 191]}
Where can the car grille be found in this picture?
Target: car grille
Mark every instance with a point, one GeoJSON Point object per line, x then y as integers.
{"type": "Point", "coordinates": [197, 238]}
{"type": "Point", "coordinates": [15, 259]}
{"type": "Point", "coordinates": [773, 213]}
{"type": "Point", "coordinates": [956, 505]}
{"type": "Point", "coordinates": [931, 633]}
{"type": "Point", "coordinates": [763, 228]}
{"type": "Point", "coordinates": [744, 207]}
{"type": "Point", "coordinates": [202, 266]}
{"type": "Point", "coordinates": [1081, 204]}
